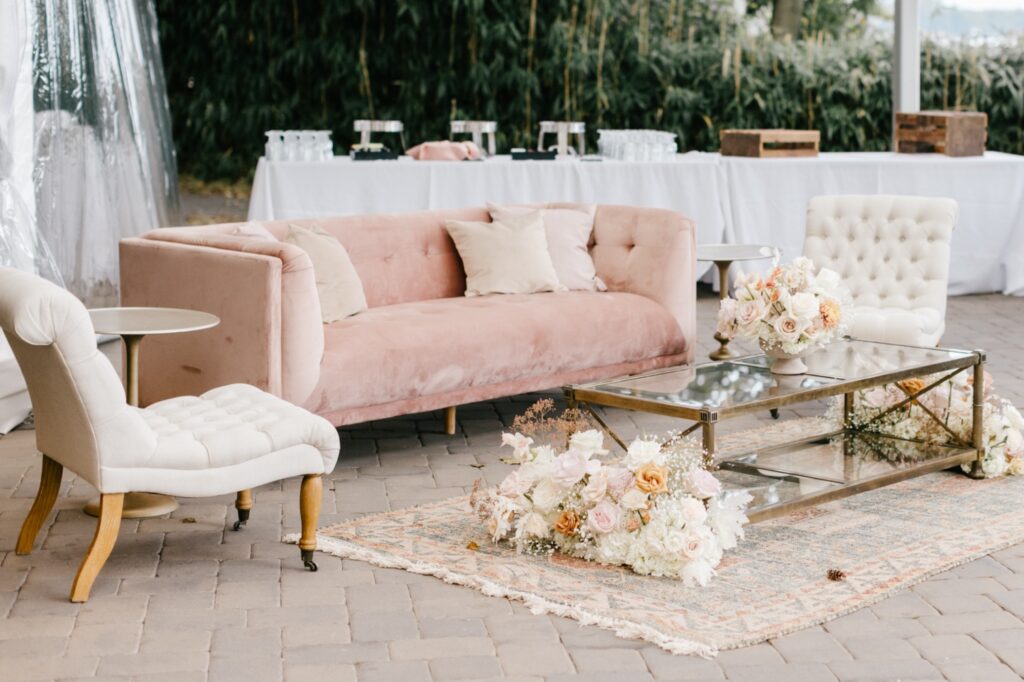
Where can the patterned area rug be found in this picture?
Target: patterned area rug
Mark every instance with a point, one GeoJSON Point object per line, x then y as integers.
{"type": "Point", "coordinates": [774, 583]}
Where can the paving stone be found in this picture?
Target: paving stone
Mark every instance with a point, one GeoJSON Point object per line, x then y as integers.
{"type": "Point", "coordinates": [335, 672]}
{"type": "Point", "coordinates": [810, 646]}
{"type": "Point", "coordinates": [452, 627]}
{"type": "Point", "coordinates": [247, 595]}
{"type": "Point", "coordinates": [104, 639]}
{"type": "Point", "coordinates": [608, 660]}
{"type": "Point", "coordinates": [378, 598]}
{"type": "Point", "coordinates": [444, 647]}
{"type": "Point", "coordinates": [951, 649]}
{"type": "Point", "coordinates": [879, 648]}
{"type": "Point", "coordinates": [17, 668]}
{"type": "Point", "coordinates": [520, 628]}
{"type": "Point", "coordinates": [238, 642]}
{"type": "Point", "coordinates": [383, 627]}
{"type": "Point", "coordinates": [162, 662]}
{"type": "Point", "coordinates": [464, 668]}
{"type": "Point", "coordinates": [793, 672]}
{"type": "Point", "coordinates": [390, 671]}
{"type": "Point", "coordinates": [666, 666]}
{"type": "Point", "coordinates": [979, 672]}
{"type": "Point", "coordinates": [885, 671]}
{"type": "Point", "coordinates": [759, 654]}
{"type": "Point", "coordinates": [158, 639]}
{"type": "Point", "coordinates": [970, 622]}
{"type": "Point", "coordinates": [534, 658]}
{"type": "Point", "coordinates": [256, 667]}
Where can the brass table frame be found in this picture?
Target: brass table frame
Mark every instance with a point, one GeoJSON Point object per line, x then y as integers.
{"type": "Point", "coordinates": [585, 396]}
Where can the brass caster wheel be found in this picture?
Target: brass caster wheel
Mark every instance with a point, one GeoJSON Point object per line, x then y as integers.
{"type": "Point", "coordinates": [307, 560]}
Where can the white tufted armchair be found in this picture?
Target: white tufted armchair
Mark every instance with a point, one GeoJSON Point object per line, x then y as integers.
{"type": "Point", "coordinates": [229, 439]}
{"type": "Point", "coordinates": [893, 254]}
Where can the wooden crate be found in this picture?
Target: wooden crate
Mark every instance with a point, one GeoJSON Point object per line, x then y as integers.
{"type": "Point", "coordinates": [769, 143]}
{"type": "Point", "coordinates": [953, 133]}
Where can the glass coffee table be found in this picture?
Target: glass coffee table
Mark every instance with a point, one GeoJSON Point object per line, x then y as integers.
{"type": "Point", "coordinates": [813, 469]}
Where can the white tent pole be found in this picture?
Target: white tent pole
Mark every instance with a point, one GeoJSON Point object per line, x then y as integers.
{"type": "Point", "coordinates": [906, 68]}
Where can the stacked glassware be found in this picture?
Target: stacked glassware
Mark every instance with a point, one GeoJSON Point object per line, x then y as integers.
{"type": "Point", "coordinates": [299, 145]}
{"type": "Point", "coordinates": [637, 145]}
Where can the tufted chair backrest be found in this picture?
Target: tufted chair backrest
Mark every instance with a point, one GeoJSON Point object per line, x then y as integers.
{"type": "Point", "coordinates": [81, 413]}
{"type": "Point", "coordinates": [891, 251]}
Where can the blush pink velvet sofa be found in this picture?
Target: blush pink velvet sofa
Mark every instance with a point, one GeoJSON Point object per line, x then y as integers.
{"type": "Point", "coordinates": [421, 345]}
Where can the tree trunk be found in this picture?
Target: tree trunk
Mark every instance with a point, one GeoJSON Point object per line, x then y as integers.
{"type": "Point", "coordinates": [786, 18]}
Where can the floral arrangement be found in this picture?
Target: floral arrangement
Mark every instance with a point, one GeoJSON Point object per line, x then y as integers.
{"type": "Point", "coordinates": [793, 309]}
{"type": "Point", "coordinates": [658, 511]}
{"type": "Point", "coordinates": [952, 404]}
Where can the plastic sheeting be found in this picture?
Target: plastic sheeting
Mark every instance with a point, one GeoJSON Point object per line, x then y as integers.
{"type": "Point", "coordinates": [105, 167]}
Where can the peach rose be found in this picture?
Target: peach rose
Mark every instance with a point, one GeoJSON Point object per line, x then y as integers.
{"type": "Point", "coordinates": [912, 386]}
{"type": "Point", "coordinates": [652, 478]}
{"type": "Point", "coordinates": [568, 522]}
{"type": "Point", "coordinates": [830, 312]}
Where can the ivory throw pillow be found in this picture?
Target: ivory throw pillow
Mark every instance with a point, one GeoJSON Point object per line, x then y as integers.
{"type": "Point", "coordinates": [337, 282]}
{"type": "Point", "coordinates": [504, 257]}
{"type": "Point", "coordinates": [568, 228]}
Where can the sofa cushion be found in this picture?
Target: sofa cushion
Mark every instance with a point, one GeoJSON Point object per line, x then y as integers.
{"type": "Point", "coordinates": [428, 347]}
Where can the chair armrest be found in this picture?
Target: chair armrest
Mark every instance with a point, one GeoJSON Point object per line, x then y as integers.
{"type": "Point", "coordinates": [270, 334]}
{"type": "Point", "coordinates": [653, 253]}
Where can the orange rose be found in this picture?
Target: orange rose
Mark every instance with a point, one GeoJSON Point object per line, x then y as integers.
{"type": "Point", "coordinates": [651, 478]}
{"type": "Point", "coordinates": [830, 313]}
{"type": "Point", "coordinates": [912, 386]}
{"type": "Point", "coordinates": [568, 522]}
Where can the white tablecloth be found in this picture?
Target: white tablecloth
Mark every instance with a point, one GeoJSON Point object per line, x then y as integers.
{"type": "Point", "coordinates": [731, 199]}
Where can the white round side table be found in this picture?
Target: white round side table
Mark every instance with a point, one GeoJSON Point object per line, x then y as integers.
{"type": "Point", "coordinates": [132, 325]}
{"type": "Point", "coordinates": [723, 256]}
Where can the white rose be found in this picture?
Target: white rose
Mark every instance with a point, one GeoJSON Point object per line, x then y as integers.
{"type": "Point", "coordinates": [674, 542]}
{"type": "Point", "coordinates": [803, 306]}
{"type": "Point", "coordinates": [596, 488]}
{"type": "Point", "coordinates": [793, 278]}
{"type": "Point", "coordinates": [693, 512]}
{"type": "Point", "coordinates": [727, 318]}
{"type": "Point", "coordinates": [693, 545]}
{"type": "Point", "coordinates": [826, 280]}
{"type": "Point", "coordinates": [634, 499]}
{"type": "Point", "coordinates": [588, 442]}
{"type": "Point", "coordinates": [547, 495]}
{"type": "Point", "coordinates": [613, 548]}
{"type": "Point", "coordinates": [641, 451]}
{"type": "Point", "coordinates": [535, 526]}
{"type": "Point", "coordinates": [803, 263]}
{"type": "Point", "coordinates": [788, 328]}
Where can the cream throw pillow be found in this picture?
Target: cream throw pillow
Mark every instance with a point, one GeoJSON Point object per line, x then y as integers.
{"type": "Point", "coordinates": [505, 257]}
{"type": "Point", "coordinates": [568, 228]}
{"type": "Point", "coordinates": [337, 282]}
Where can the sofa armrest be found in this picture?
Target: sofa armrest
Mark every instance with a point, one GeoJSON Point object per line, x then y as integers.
{"type": "Point", "coordinates": [653, 253]}
{"type": "Point", "coordinates": [270, 334]}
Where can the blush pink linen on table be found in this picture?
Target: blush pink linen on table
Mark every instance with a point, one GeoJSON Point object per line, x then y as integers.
{"type": "Point", "coordinates": [421, 345]}
{"type": "Point", "coordinates": [444, 150]}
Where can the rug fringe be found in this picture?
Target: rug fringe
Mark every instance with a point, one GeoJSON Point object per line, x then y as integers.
{"type": "Point", "coordinates": [536, 603]}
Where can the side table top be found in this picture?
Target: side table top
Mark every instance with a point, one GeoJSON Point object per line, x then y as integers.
{"type": "Point", "coordinates": [734, 252]}
{"type": "Point", "coordinates": [144, 321]}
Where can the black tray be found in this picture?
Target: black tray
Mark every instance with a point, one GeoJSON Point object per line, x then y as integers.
{"type": "Point", "coordinates": [534, 155]}
{"type": "Point", "coordinates": [382, 155]}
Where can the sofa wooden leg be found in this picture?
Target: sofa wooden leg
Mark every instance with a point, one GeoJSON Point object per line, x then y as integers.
{"type": "Point", "coordinates": [107, 526]}
{"type": "Point", "coordinates": [449, 421]}
{"type": "Point", "coordinates": [243, 503]}
{"type": "Point", "coordinates": [310, 496]}
{"type": "Point", "coordinates": [49, 486]}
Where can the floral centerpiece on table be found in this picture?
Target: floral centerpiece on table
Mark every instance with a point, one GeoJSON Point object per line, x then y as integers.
{"type": "Point", "coordinates": [951, 403]}
{"type": "Point", "coordinates": [793, 309]}
{"type": "Point", "coordinates": [658, 511]}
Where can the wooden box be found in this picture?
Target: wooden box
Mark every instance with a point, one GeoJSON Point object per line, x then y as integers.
{"type": "Point", "coordinates": [953, 133]}
{"type": "Point", "coordinates": [770, 143]}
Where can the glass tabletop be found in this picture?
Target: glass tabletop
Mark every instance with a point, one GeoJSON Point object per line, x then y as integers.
{"type": "Point", "coordinates": [734, 252]}
{"type": "Point", "coordinates": [748, 381]}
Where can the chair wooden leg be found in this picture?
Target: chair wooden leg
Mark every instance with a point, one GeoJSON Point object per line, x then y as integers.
{"type": "Point", "coordinates": [49, 486]}
{"type": "Point", "coordinates": [310, 496]}
{"type": "Point", "coordinates": [449, 421]}
{"type": "Point", "coordinates": [102, 543]}
{"type": "Point", "coordinates": [243, 503]}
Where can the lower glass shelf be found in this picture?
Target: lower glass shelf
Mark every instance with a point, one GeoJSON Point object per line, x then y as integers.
{"type": "Point", "coordinates": [784, 478]}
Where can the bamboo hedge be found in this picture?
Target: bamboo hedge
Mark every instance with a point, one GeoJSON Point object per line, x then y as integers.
{"type": "Point", "coordinates": [235, 69]}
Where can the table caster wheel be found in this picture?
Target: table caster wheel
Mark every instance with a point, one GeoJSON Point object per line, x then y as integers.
{"type": "Point", "coordinates": [243, 517]}
{"type": "Point", "coordinates": [307, 560]}
{"type": "Point", "coordinates": [774, 413]}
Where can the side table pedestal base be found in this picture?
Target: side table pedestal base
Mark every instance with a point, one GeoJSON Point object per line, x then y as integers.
{"type": "Point", "coordinates": [138, 505]}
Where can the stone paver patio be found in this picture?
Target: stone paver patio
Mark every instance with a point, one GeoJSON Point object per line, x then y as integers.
{"type": "Point", "coordinates": [184, 598]}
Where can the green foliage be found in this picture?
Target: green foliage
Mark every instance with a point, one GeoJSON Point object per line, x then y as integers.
{"type": "Point", "coordinates": [235, 69]}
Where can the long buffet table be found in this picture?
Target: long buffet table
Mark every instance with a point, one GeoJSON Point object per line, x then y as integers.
{"type": "Point", "coordinates": [731, 199]}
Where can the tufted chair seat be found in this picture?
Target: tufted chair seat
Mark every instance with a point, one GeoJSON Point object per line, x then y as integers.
{"type": "Point", "coordinates": [227, 440]}
{"type": "Point", "coordinates": [893, 254]}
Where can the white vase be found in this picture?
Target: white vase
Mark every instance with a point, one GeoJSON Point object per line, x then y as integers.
{"type": "Point", "coordinates": [783, 362]}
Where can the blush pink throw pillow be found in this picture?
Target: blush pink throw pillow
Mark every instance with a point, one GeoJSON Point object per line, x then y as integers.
{"type": "Point", "coordinates": [568, 228]}
{"type": "Point", "coordinates": [445, 150]}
